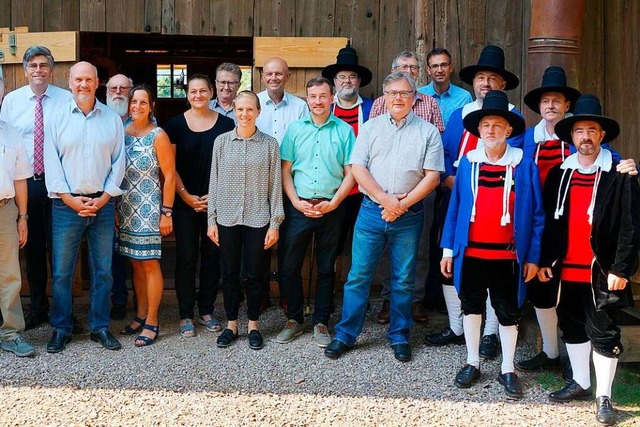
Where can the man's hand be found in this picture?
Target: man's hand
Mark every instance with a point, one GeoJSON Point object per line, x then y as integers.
{"type": "Point", "coordinates": [212, 232]}
{"type": "Point", "coordinates": [545, 274]}
{"type": "Point", "coordinates": [202, 204]}
{"type": "Point", "coordinates": [307, 208]}
{"type": "Point", "coordinates": [448, 182]}
{"type": "Point", "coordinates": [271, 238]}
{"type": "Point", "coordinates": [627, 166]}
{"type": "Point", "coordinates": [22, 232]}
{"type": "Point", "coordinates": [446, 267]}
{"type": "Point", "coordinates": [529, 271]}
{"type": "Point", "coordinates": [325, 207]}
{"type": "Point", "coordinates": [392, 204]}
{"type": "Point", "coordinates": [616, 283]}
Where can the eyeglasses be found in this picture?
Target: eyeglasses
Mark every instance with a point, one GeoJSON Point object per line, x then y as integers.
{"type": "Point", "coordinates": [343, 78]}
{"type": "Point", "coordinates": [443, 65]}
{"type": "Point", "coordinates": [116, 89]}
{"type": "Point", "coordinates": [35, 65]}
{"type": "Point", "coordinates": [404, 94]}
{"type": "Point", "coordinates": [224, 83]}
{"type": "Point", "coordinates": [413, 68]}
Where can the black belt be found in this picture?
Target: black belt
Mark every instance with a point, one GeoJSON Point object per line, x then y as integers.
{"type": "Point", "coordinates": [315, 201]}
{"type": "Point", "coordinates": [38, 176]}
{"type": "Point", "coordinates": [91, 196]}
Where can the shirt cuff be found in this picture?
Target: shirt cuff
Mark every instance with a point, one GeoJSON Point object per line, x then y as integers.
{"type": "Point", "coordinates": [447, 253]}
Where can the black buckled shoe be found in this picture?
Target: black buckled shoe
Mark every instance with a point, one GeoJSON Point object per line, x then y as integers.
{"type": "Point", "coordinates": [512, 385]}
{"type": "Point", "coordinates": [335, 349]}
{"type": "Point", "coordinates": [572, 391]}
{"type": "Point", "coordinates": [467, 376]}
{"type": "Point", "coordinates": [57, 342]}
{"type": "Point", "coordinates": [444, 337]}
{"type": "Point", "coordinates": [255, 340]}
{"type": "Point", "coordinates": [489, 347]}
{"type": "Point", "coordinates": [538, 362]}
{"type": "Point", "coordinates": [226, 338]}
{"type": "Point", "coordinates": [402, 352]}
{"type": "Point", "coordinates": [604, 411]}
{"type": "Point", "coordinates": [104, 337]}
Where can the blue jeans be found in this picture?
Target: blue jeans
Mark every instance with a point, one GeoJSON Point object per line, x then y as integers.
{"type": "Point", "coordinates": [371, 234]}
{"type": "Point", "coordinates": [68, 230]}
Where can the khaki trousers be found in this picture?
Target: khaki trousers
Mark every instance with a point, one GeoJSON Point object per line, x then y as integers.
{"type": "Point", "coordinates": [10, 279]}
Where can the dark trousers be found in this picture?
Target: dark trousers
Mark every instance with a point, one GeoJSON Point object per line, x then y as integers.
{"type": "Point", "coordinates": [190, 229]}
{"type": "Point", "coordinates": [433, 296]}
{"type": "Point", "coordinates": [119, 292]}
{"type": "Point", "coordinates": [501, 278]}
{"type": "Point", "coordinates": [35, 251]}
{"type": "Point", "coordinates": [236, 243]}
{"type": "Point", "coordinates": [298, 234]}
{"type": "Point", "coordinates": [544, 294]}
{"type": "Point", "coordinates": [351, 208]}
{"type": "Point", "coordinates": [580, 321]}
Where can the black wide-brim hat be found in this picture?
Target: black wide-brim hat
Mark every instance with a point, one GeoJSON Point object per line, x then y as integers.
{"type": "Point", "coordinates": [588, 108]}
{"type": "Point", "coordinates": [491, 59]}
{"type": "Point", "coordinates": [347, 60]}
{"type": "Point", "coordinates": [554, 79]}
{"type": "Point", "coordinates": [495, 103]}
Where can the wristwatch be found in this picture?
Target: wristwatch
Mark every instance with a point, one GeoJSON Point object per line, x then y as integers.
{"type": "Point", "coordinates": [168, 212]}
{"type": "Point", "coordinates": [23, 216]}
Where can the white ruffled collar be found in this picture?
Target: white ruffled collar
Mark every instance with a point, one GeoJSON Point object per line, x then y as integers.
{"type": "Point", "coordinates": [512, 156]}
{"type": "Point", "coordinates": [604, 161]}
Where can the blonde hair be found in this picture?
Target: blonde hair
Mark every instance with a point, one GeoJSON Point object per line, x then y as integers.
{"type": "Point", "coordinates": [246, 94]}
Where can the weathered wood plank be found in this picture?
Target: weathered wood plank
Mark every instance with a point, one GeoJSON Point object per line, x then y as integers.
{"type": "Point", "coordinates": [129, 13]}
{"type": "Point", "coordinates": [302, 52]}
{"type": "Point", "coordinates": [93, 15]}
{"type": "Point", "coordinates": [446, 35]}
{"type": "Point", "coordinates": [60, 75]}
{"type": "Point", "coordinates": [275, 18]}
{"type": "Point", "coordinates": [232, 18]}
{"type": "Point", "coordinates": [396, 33]}
{"type": "Point", "coordinates": [359, 20]}
{"type": "Point", "coordinates": [63, 45]}
{"type": "Point", "coordinates": [424, 33]}
{"type": "Point", "coordinates": [61, 15]}
{"type": "Point", "coordinates": [153, 16]}
{"type": "Point", "coordinates": [168, 17]}
{"type": "Point", "coordinates": [5, 13]}
{"type": "Point", "coordinates": [314, 18]}
{"type": "Point", "coordinates": [592, 70]}
{"type": "Point", "coordinates": [27, 13]}
{"type": "Point", "coordinates": [192, 17]}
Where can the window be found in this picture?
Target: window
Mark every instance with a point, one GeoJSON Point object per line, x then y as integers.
{"type": "Point", "coordinates": [247, 72]}
{"type": "Point", "coordinates": [171, 80]}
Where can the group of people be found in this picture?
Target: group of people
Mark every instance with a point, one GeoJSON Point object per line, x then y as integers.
{"type": "Point", "coordinates": [547, 214]}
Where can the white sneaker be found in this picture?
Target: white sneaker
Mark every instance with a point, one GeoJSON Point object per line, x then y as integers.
{"type": "Point", "coordinates": [321, 335]}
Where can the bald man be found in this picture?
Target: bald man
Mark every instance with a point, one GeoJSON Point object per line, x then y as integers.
{"type": "Point", "coordinates": [85, 165]}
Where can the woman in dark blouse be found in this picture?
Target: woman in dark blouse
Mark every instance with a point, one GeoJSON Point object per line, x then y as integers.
{"type": "Point", "coordinates": [193, 134]}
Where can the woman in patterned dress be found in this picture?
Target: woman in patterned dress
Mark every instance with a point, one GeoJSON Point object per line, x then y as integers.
{"type": "Point", "coordinates": [145, 210]}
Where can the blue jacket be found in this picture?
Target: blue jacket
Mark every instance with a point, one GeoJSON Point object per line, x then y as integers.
{"type": "Point", "coordinates": [530, 146]}
{"type": "Point", "coordinates": [451, 141]}
{"type": "Point", "coordinates": [528, 218]}
{"type": "Point", "coordinates": [366, 105]}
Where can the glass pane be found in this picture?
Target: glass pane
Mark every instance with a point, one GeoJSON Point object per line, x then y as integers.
{"type": "Point", "coordinates": [179, 81]}
{"type": "Point", "coordinates": [163, 80]}
{"type": "Point", "coordinates": [246, 83]}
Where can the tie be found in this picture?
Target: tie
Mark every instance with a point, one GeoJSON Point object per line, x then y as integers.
{"type": "Point", "coordinates": [38, 138]}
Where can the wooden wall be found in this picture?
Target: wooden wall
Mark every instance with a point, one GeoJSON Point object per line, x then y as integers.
{"type": "Point", "coordinates": [379, 29]}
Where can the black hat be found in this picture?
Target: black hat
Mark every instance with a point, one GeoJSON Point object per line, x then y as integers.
{"type": "Point", "coordinates": [494, 104]}
{"type": "Point", "coordinates": [554, 79]}
{"type": "Point", "coordinates": [491, 59]}
{"type": "Point", "coordinates": [588, 108]}
{"type": "Point", "coordinates": [347, 60]}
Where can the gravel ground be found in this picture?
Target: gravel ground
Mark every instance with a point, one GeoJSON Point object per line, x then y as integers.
{"type": "Point", "coordinates": [180, 381]}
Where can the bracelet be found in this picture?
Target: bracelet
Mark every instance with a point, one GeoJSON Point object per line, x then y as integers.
{"type": "Point", "coordinates": [167, 207]}
{"type": "Point", "coordinates": [181, 190]}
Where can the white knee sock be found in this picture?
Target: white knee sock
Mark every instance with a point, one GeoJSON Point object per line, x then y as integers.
{"type": "Point", "coordinates": [508, 339]}
{"type": "Point", "coordinates": [490, 321]}
{"type": "Point", "coordinates": [548, 321]}
{"type": "Point", "coordinates": [605, 372]}
{"type": "Point", "coordinates": [454, 308]}
{"type": "Point", "coordinates": [472, 326]}
{"type": "Point", "coordinates": [579, 356]}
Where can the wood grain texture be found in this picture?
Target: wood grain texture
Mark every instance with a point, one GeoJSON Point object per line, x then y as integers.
{"type": "Point", "coordinates": [275, 18]}
{"type": "Point", "coordinates": [5, 13]}
{"type": "Point", "coordinates": [63, 45]}
{"type": "Point", "coordinates": [396, 33]}
{"type": "Point", "coordinates": [93, 15]}
{"type": "Point", "coordinates": [192, 17]}
{"type": "Point", "coordinates": [61, 15]}
{"type": "Point", "coordinates": [125, 16]}
{"type": "Point", "coordinates": [232, 18]}
{"type": "Point", "coordinates": [153, 15]}
{"type": "Point", "coordinates": [314, 18]}
{"type": "Point", "coordinates": [299, 52]}
{"type": "Point", "coordinates": [28, 13]}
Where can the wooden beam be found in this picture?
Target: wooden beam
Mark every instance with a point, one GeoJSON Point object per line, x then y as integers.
{"type": "Point", "coordinates": [63, 45]}
{"type": "Point", "coordinates": [299, 52]}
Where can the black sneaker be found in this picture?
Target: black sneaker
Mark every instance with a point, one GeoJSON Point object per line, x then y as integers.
{"type": "Point", "coordinates": [444, 337]}
{"type": "Point", "coordinates": [489, 347]}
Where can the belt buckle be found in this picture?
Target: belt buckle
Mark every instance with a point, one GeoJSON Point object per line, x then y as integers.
{"type": "Point", "coordinates": [38, 176]}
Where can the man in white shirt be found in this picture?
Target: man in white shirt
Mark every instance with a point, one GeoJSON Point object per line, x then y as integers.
{"type": "Point", "coordinates": [30, 109]}
{"type": "Point", "coordinates": [14, 171]}
{"type": "Point", "coordinates": [85, 164]}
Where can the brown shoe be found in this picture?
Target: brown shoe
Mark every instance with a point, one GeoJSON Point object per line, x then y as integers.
{"type": "Point", "coordinates": [383, 315]}
{"type": "Point", "coordinates": [419, 313]}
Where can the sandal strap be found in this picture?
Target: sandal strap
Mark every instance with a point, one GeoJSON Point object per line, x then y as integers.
{"type": "Point", "coordinates": [139, 320]}
{"type": "Point", "coordinates": [146, 340]}
{"type": "Point", "coordinates": [151, 328]}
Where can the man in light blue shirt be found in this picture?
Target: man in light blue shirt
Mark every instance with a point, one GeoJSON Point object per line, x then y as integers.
{"type": "Point", "coordinates": [449, 96]}
{"type": "Point", "coordinates": [85, 164]}
{"type": "Point", "coordinates": [228, 79]}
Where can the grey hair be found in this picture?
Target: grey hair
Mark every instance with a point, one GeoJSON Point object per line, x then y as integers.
{"type": "Point", "coordinates": [35, 50]}
{"type": "Point", "coordinates": [231, 68]}
{"type": "Point", "coordinates": [394, 77]}
{"type": "Point", "coordinates": [405, 54]}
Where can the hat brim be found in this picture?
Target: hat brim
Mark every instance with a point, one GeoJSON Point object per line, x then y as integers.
{"type": "Point", "coordinates": [330, 71]}
{"type": "Point", "coordinates": [468, 73]}
{"type": "Point", "coordinates": [472, 120]}
{"type": "Point", "coordinates": [610, 126]}
{"type": "Point", "coordinates": [532, 98]}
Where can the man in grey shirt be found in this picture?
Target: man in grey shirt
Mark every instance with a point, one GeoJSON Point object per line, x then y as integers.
{"type": "Point", "coordinates": [396, 161]}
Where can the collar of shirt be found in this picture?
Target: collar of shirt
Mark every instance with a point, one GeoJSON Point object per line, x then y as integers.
{"type": "Point", "coordinates": [511, 156]}
{"type": "Point", "coordinates": [331, 119]}
{"type": "Point", "coordinates": [403, 121]}
{"type": "Point", "coordinates": [604, 161]}
{"type": "Point", "coordinates": [336, 101]}
{"type": "Point", "coordinates": [432, 91]}
{"type": "Point", "coordinates": [285, 99]}
{"type": "Point", "coordinates": [540, 134]}
{"type": "Point", "coordinates": [241, 138]}
{"type": "Point", "coordinates": [215, 103]}
{"type": "Point", "coordinates": [46, 93]}
{"type": "Point", "coordinates": [97, 107]}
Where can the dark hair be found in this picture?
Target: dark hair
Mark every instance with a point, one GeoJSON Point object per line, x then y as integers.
{"type": "Point", "coordinates": [200, 77]}
{"type": "Point", "coordinates": [319, 81]}
{"type": "Point", "coordinates": [247, 94]}
{"type": "Point", "coordinates": [150, 94]}
{"type": "Point", "coordinates": [438, 51]}
{"type": "Point", "coordinates": [231, 68]}
{"type": "Point", "coordinates": [33, 51]}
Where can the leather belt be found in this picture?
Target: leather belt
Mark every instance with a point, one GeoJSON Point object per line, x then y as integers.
{"type": "Point", "coordinates": [91, 196]}
{"type": "Point", "coordinates": [315, 201]}
{"type": "Point", "coordinates": [38, 176]}
{"type": "Point", "coordinates": [4, 202]}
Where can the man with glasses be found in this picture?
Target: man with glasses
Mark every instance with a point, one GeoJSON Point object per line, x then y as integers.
{"type": "Point", "coordinates": [228, 77]}
{"type": "Point", "coordinates": [397, 162]}
{"type": "Point", "coordinates": [118, 88]}
{"type": "Point", "coordinates": [29, 109]}
{"type": "Point", "coordinates": [448, 96]}
{"type": "Point", "coordinates": [279, 108]}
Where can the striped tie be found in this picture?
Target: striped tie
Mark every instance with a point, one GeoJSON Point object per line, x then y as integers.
{"type": "Point", "coordinates": [38, 138]}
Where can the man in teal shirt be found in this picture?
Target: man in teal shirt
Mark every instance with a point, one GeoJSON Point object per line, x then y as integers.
{"type": "Point", "coordinates": [316, 178]}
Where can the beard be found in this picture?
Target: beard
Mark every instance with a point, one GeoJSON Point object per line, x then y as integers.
{"type": "Point", "coordinates": [119, 105]}
{"type": "Point", "coordinates": [348, 93]}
